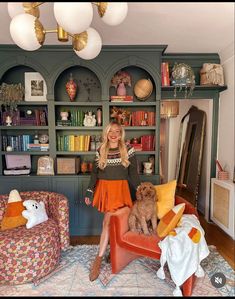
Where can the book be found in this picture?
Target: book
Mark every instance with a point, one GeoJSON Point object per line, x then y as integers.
{"type": "Point", "coordinates": [127, 98]}
{"type": "Point", "coordinates": [165, 75]}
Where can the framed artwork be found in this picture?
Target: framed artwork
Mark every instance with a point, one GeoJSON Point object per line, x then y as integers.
{"type": "Point", "coordinates": [35, 87]}
{"type": "Point", "coordinates": [45, 166]}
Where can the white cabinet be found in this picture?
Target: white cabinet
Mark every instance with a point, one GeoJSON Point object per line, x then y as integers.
{"type": "Point", "coordinates": [222, 205]}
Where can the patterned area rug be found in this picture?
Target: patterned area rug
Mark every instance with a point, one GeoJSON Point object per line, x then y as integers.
{"type": "Point", "coordinates": [137, 279]}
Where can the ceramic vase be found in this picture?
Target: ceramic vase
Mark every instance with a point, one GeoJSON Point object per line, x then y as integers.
{"type": "Point", "coordinates": [71, 88]}
{"type": "Point", "coordinates": [121, 89]}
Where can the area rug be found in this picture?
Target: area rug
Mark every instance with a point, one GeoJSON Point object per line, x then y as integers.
{"type": "Point", "coordinates": [137, 279]}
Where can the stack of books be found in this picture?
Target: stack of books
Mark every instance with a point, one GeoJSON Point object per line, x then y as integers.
{"type": "Point", "coordinates": [121, 98]}
{"type": "Point", "coordinates": [43, 147]}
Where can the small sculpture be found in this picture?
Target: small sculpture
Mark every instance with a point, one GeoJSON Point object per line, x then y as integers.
{"type": "Point", "coordinates": [71, 88]}
{"type": "Point", "coordinates": [89, 120]}
{"type": "Point", "coordinates": [183, 77]}
{"type": "Point", "coordinates": [212, 74]}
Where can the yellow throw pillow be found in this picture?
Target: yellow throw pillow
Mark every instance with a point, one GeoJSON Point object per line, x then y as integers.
{"type": "Point", "coordinates": [170, 220]}
{"type": "Point", "coordinates": [13, 214]}
{"type": "Point", "coordinates": [165, 198]}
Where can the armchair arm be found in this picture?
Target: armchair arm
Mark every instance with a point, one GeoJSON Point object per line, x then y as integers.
{"type": "Point", "coordinates": [189, 208]}
{"type": "Point", "coordinates": [120, 221]}
{"type": "Point", "coordinates": [59, 211]}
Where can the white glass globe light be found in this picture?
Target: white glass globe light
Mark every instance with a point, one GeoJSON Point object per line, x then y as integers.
{"type": "Point", "coordinates": [73, 17]}
{"type": "Point", "coordinates": [23, 32]}
{"type": "Point", "coordinates": [15, 8]}
{"type": "Point", "coordinates": [115, 13]}
{"type": "Point", "coordinates": [93, 47]}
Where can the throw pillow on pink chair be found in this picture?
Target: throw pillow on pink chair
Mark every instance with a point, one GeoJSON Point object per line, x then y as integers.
{"type": "Point", "coordinates": [27, 255]}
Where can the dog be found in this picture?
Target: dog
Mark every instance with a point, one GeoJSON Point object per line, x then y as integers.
{"type": "Point", "coordinates": [144, 210]}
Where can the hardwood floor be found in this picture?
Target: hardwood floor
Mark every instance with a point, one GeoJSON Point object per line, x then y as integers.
{"type": "Point", "coordinates": [214, 236]}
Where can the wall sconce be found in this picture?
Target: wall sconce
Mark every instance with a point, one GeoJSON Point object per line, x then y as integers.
{"type": "Point", "coordinates": [169, 109]}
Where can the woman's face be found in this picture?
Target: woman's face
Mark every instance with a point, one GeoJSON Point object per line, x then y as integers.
{"type": "Point", "coordinates": [114, 135]}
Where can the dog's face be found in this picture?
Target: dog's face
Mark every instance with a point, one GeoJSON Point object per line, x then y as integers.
{"type": "Point", "coordinates": [146, 191]}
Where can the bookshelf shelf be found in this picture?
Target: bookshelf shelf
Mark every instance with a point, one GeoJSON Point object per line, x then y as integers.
{"type": "Point", "coordinates": [23, 128]}
{"type": "Point", "coordinates": [34, 153]}
{"type": "Point", "coordinates": [69, 128]}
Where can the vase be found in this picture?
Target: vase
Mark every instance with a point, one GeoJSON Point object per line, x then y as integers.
{"type": "Point", "coordinates": [71, 88]}
{"type": "Point", "coordinates": [121, 89]}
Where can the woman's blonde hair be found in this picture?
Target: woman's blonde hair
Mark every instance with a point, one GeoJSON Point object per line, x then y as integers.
{"type": "Point", "coordinates": [104, 148]}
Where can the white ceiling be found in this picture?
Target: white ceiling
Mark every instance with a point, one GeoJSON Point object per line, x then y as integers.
{"type": "Point", "coordinates": [184, 27]}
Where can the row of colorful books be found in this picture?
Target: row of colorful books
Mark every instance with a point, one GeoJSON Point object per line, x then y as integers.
{"type": "Point", "coordinates": [22, 143]}
{"type": "Point", "coordinates": [143, 118]}
{"type": "Point", "coordinates": [73, 143]}
{"type": "Point", "coordinates": [37, 118]}
{"type": "Point", "coordinates": [146, 143]}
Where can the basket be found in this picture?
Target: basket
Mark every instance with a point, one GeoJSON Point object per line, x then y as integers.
{"type": "Point", "coordinates": [223, 175]}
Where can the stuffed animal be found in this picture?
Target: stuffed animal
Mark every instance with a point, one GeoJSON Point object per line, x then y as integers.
{"type": "Point", "coordinates": [35, 212]}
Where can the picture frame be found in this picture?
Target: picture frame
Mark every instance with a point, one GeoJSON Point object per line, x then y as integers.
{"type": "Point", "coordinates": [35, 87]}
{"type": "Point", "coordinates": [45, 166]}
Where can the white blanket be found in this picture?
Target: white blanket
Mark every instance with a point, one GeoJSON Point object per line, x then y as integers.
{"type": "Point", "coordinates": [183, 253]}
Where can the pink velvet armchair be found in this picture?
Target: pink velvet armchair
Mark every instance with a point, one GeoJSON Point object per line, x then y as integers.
{"type": "Point", "coordinates": [27, 255]}
{"type": "Point", "coordinates": [125, 246]}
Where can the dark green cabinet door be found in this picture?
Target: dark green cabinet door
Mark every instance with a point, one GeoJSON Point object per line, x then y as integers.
{"type": "Point", "coordinates": [68, 185]}
{"type": "Point", "coordinates": [8, 183]}
{"type": "Point", "coordinates": [90, 220]}
{"type": "Point", "coordinates": [36, 183]}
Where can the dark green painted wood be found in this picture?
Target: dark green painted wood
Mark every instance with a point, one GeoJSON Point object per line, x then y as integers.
{"type": "Point", "coordinates": [55, 64]}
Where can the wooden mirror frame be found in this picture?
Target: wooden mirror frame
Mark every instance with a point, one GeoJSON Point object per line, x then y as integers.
{"type": "Point", "coordinates": [190, 151]}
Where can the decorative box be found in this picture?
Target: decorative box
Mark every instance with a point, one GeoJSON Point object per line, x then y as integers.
{"type": "Point", "coordinates": [68, 165]}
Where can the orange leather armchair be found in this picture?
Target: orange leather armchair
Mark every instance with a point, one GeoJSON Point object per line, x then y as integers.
{"type": "Point", "coordinates": [125, 246]}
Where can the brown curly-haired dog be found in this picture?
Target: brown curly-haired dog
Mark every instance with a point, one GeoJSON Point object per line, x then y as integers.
{"type": "Point", "coordinates": [144, 209]}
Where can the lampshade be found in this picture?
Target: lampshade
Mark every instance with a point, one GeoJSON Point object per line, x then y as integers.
{"type": "Point", "coordinates": [15, 8]}
{"type": "Point", "coordinates": [93, 46]}
{"type": "Point", "coordinates": [115, 13]}
{"type": "Point", "coordinates": [23, 33]}
{"type": "Point", "coordinates": [169, 109]}
{"type": "Point", "coordinates": [73, 17]}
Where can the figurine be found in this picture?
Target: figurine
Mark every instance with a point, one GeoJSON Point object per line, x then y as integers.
{"type": "Point", "coordinates": [89, 120]}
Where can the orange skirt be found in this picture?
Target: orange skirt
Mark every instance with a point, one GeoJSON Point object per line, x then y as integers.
{"type": "Point", "coordinates": [112, 194]}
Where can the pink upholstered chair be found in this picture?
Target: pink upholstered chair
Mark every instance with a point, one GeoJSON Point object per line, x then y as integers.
{"type": "Point", "coordinates": [125, 246]}
{"type": "Point", "coordinates": [26, 255]}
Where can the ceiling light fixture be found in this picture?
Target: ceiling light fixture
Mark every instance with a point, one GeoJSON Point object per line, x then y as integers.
{"type": "Point", "coordinates": [73, 20]}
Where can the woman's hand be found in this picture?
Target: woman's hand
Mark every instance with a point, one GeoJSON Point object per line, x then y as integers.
{"type": "Point", "coordinates": [87, 201]}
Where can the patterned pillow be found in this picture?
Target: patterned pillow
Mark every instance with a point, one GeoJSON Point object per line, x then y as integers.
{"type": "Point", "coordinates": [13, 214]}
{"type": "Point", "coordinates": [165, 198]}
{"type": "Point", "coordinates": [170, 220]}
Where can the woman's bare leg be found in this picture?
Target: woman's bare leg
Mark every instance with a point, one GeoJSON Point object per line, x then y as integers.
{"type": "Point", "coordinates": [104, 238]}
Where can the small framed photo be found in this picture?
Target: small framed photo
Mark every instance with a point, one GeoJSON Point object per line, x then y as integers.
{"type": "Point", "coordinates": [45, 166]}
{"type": "Point", "coordinates": [35, 87]}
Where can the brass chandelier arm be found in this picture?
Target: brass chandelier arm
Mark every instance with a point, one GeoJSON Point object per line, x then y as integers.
{"type": "Point", "coordinates": [102, 7]}
{"type": "Point", "coordinates": [80, 41]}
{"type": "Point", "coordinates": [32, 8]}
{"type": "Point", "coordinates": [61, 34]}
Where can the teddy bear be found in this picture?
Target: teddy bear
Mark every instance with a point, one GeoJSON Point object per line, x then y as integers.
{"type": "Point", "coordinates": [35, 212]}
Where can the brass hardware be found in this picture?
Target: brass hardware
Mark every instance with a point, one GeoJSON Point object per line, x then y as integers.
{"type": "Point", "coordinates": [102, 7]}
{"type": "Point", "coordinates": [40, 32]}
{"type": "Point", "coordinates": [61, 34]}
{"type": "Point", "coordinates": [80, 41]}
{"type": "Point", "coordinates": [31, 9]}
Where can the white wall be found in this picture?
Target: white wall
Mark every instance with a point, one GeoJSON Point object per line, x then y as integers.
{"type": "Point", "coordinates": [226, 134]}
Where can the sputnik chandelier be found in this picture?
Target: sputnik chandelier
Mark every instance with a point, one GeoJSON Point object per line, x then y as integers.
{"type": "Point", "coordinates": [73, 20]}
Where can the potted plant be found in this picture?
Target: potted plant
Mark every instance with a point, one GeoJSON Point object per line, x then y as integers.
{"type": "Point", "coordinates": [10, 96]}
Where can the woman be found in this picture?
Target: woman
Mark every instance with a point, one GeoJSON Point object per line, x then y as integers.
{"type": "Point", "coordinates": [115, 163]}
